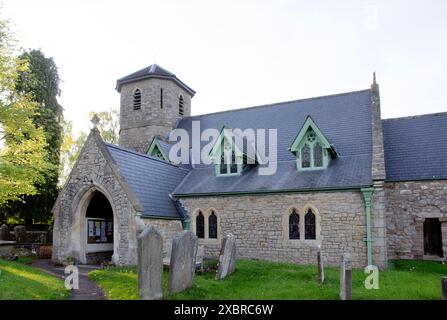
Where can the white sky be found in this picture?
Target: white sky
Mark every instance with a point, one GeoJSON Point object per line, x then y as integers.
{"type": "Point", "coordinates": [243, 53]}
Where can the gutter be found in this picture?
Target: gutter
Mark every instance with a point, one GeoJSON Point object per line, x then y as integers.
{"type": "Point", "coordinates": [367, 192]}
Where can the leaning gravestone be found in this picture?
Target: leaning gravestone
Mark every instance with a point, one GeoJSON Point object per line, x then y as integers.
{"type": "Point", "coordinates": [345, 277]}
{"type": "Point", "coordinates": [20, 234]}
{"type": "Point", "coordinates": [227, 258]}
{"type": "Point", "coordinates": [444, 288]}
{"type": "Point", "coordinates": [183, 261]}
{"type": "Point", "coordinates": [150, 264]}
{"type": "Point", "coordinates": [4, 233]}
{"type": "Point", "coordinates": [320, 266]}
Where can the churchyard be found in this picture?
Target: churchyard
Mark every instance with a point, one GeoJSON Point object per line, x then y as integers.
{"type": "Point", "coordinates": [179, 271]}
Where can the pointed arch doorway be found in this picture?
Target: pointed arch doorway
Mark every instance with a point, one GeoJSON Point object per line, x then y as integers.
{"type": "Point", "coordinates": [98, 234]}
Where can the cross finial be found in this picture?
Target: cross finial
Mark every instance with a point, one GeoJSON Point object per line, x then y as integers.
{"type": "Point", "coordinates": [95, 120]}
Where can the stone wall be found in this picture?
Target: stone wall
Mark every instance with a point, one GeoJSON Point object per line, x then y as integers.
{"type": "Point", "coordinates": [260, 224]}
{"type": "Point", "coordinates": [167, 228]}
{"type": "Point", "coordinates": [407, 205]}
{"type": "Point", "coordinates": [93, 172]}
{"type": "Point", "coordinates": [138, 127]}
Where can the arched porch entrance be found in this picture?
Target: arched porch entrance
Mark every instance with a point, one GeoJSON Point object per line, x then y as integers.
{"type": "Point", "coordinates": [98, 228]}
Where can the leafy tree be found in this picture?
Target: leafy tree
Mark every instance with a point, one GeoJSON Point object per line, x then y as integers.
{"type": "Point", "coordinates": [40, 81]}
{"type": "Point", "coordinates": [23, 160]}
{"type": "Point", "coordinates": [109, 125]}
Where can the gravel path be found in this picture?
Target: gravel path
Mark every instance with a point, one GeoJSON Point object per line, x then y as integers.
{"type": "Point", "coordinates": [88, 290]}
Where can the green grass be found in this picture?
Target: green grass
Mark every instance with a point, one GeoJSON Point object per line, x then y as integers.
{"type": "Point", "coordinates": [269, 280]}
{"type": "Point", "coordinates": [21, 282]}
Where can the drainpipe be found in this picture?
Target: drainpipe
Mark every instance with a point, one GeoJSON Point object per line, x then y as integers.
{"type": "Point", "coordinates": [186, 223]}
{"type": "Point", "coordinates": [367, 192]}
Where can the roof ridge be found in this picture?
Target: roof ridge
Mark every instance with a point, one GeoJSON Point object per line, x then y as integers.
{"type": "Point", "coordinates": [280, 103]}
{"type": "Point", "coordinates": [435, 114]}
{"type": "Point", "coordinates": [144, 155]}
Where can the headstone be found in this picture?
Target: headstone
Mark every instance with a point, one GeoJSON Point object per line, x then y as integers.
{"type": "Point", "coordinates": [444, 288]}
{"type": "Point", "coordinates": [183, 261]}
{"type": "Point", "coordinates": [345, 278]}
{"type": "Point", "coordinates": [200, 256]}
{"type": "Point", "coordinates": [320, 266]}
{"type": "Point", "coordinates": [227, 257]}
{"type": "Point", "coordinates": [150, 264]}
{"type": "Point", "coordinates": [4, 233]}
{"type": "Point", "coordinates": [20, 234]}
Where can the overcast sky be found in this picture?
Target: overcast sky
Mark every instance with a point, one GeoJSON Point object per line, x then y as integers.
{"type": "Point", "coordinates": [243, 53]}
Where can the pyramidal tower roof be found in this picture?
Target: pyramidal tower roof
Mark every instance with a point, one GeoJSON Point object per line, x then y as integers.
{"type": "Point", "coordinates": [153, 71]}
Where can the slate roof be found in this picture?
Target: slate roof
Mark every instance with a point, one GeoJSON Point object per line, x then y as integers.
{"type": "Point", "coordinates": [344, 119]}
{"type": "Point", "coordinates": [152, 180]}
{"type": "Point", "coordinates": [416, 147]}
{"type": "Point", "coordinates": [153, 71]}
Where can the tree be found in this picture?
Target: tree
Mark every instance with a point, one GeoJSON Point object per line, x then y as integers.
{"type": "Point", "coordinates": [71, 146]}
{"type": "Point", "coordinates": [40, 81]}
{"type": "Point", "coordinates": [23, 161]}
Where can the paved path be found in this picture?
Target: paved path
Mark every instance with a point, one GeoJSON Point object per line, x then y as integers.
{"type": "Point", "coordinates": [88, 290]}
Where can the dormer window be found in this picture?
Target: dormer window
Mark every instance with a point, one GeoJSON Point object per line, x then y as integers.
{"type": "Point", "coordinates": [155, 150]}
{"type": "Point", "coordinates": [137, 99]}
{"type": "Point", "coordinates": [181, 102]}
{"type": "Point", "coordinates": [311, 148]}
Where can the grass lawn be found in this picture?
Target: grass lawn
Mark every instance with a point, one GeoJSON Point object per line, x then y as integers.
{"type": "Point", "coordinates": [405, 279]}
{"type": "Point", "coordinates": [21, 282]}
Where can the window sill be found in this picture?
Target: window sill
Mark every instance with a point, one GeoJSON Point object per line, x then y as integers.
{"type": "Point", "coordinates": [310, 243]}
{"type": "Point", "coordinates": [209, 241]}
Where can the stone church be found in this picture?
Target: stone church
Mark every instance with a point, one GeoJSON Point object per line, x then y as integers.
{"type": "Point", "coordinates": [345, 180]}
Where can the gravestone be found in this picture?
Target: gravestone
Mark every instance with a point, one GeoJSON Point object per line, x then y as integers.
{"type": "Point", "coordinates": [4, 233]}
{"type": "Point", "coordinates": [444, 288]}
{"type": "Point", "coordinates": [320, 266]}
{"type": "Point", "coordinates": [20, 234]}
{"type": "Point", "coordinates": [345, 277]}
{"type": "Point", "coordinates": [227, 257]}
{"type": "Point", "coordinates": [183, 261]}
{"type": "Point", "coordinates": [199, 257]}
{"type": "Point", "coordinates": [150, 264]}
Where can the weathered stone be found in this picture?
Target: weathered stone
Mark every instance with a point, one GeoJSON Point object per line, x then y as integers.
{"type": "Point", "coordinates": [227, 258]}
{"type": "Point", "coordinates": [20, 234]}
{"type": "Point", "coordinates": [444, 288]}
{"type": "Point", "coordinates": [320, 266]}
{"type": "Point", "coordinates": [183, 261]}
{"type": "Point", "coordinates": [150, 264]}
{"type": "Point", "coordinates": [6, 249]}
{"type": "Point", "coordinates": [200, 257]}
{"type": "Point", "coordinates": [4, 233]}
{"type": "Point", "coordinates": [345, 278]}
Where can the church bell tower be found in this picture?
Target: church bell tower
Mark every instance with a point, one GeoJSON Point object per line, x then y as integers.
{"type": "Point", "coordinates": [152, 101]}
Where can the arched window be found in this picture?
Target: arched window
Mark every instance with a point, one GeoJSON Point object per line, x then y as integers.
{"type": "Point", "coordinates": [180, 106]}
{"type": "Point", "coordinates": [305, 156]}
{"type": "Point", "coordinates": [309, 226]}
{"type": "Point", "coordinates": [294, 225]}
{"type": "Point", "coordinates": [212, 226]}
{"type": "Point", "coordinates": [200, 225]}
{"type": "Point", "coordinates": [318, 155]}
{"type": "Point", "coordinates": [137, 99]}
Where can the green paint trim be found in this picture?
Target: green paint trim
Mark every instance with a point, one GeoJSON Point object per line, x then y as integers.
{"type": "Point", "coordinates": [309, 123]}
{"type": "Point", "coordinates": [356, 188]}
{"type": "Point", "coordinates": [367, 193]}
{"type": "Point", "coordinates": [186, 223]}
{"type": "Point", "coordinates": [158, 217]}
{"type": "Point", "coordinates": [152, 150]}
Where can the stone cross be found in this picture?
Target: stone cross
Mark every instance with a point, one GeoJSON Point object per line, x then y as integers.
{"type": "Point", "coordinates": [20, 234]}
{"type": "Point", "coordinates": [444, 288]}
{"type": "Point", "coordinates": [320, 266]}
{"type": "Point", "coordinates": [150, 264]}
{"type": "Point", "coordinates": [183, 261]}
{"type": "Point", "coordinates": [95, 120]}
{"type": "Point", "coordinates": [4, 233]}
{"type": "Point", "coordinates": [345, 277]}
{"type": "Point", "coordinates": [227, 257]}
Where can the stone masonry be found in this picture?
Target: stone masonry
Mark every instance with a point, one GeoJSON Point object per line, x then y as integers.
{"type": "Point", "coordinates": [139, 127]}
{"type": "Point", "coordinates": [93, 171]}
{"type": "Point", "coordinates": [260, 225]}
{"type": "Point", "coordinates": [407, 205]}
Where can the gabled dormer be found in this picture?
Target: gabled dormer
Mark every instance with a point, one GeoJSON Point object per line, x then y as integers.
{"type": "Point", "coordinates": [158, 149]}
{"type": "Point", "coordinates": [311, 148]}
{"type": "Point", "coordinates": [228, 153]}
